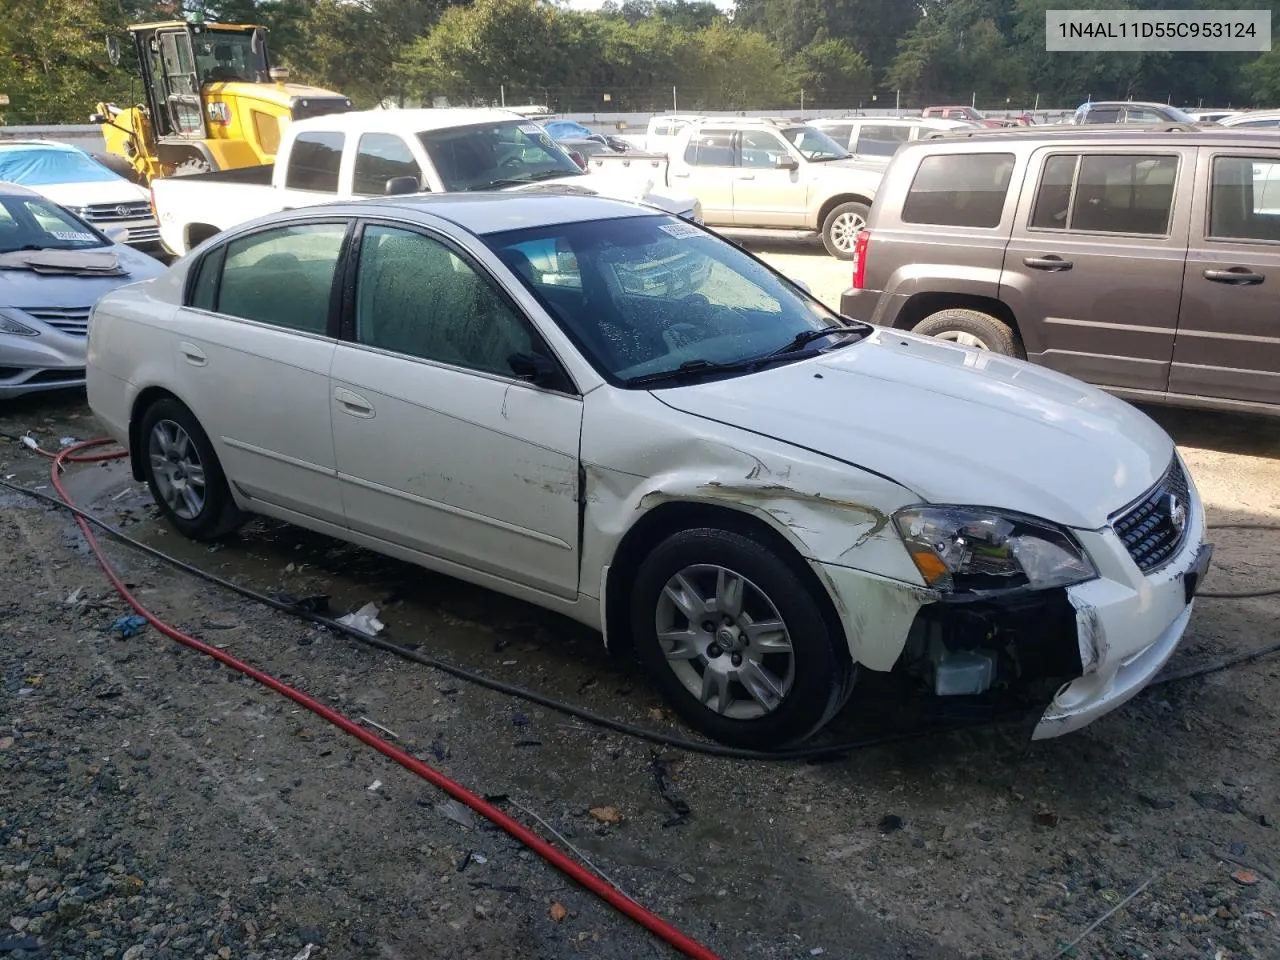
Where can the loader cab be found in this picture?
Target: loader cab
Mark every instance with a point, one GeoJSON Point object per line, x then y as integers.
{"type": "Point", "coordinates": [179, 60]}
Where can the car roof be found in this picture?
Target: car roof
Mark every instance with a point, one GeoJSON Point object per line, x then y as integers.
{"type": "Point", "coordinates": [1136, 133]}
{"type": "Point", "coordinates": [1250, 114]}
{"type": "Point", "coordinates": [1127, 103]}
{"type": "Point", "coordinates": [9, 189]}
{"type": "Point", "coordinates": [406, 122]}
{"type": "Point", "coordinates": [484, 213]}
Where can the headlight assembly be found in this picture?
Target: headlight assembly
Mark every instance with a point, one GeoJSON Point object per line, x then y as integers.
{"type": "Point", "coordinates": [11, 326]}
{"type": "Point", "coordinates": [971, 550]}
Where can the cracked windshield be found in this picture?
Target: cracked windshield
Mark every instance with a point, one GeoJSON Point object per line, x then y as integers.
{"type": "Point", "coordinates": [651, 297]}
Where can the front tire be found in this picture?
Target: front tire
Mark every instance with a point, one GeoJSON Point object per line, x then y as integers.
{"type": "Point", "coordinates": [184, 474]}
{"type": "Point", "coordinates": [841, 227]}
{"type": "Point", "coordinates": [971, 328]}
{"type": "Point", "coordinates": [736, 641]}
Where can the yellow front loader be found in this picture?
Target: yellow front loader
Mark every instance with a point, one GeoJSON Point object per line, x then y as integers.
{"type": "Point", "coordinates": [212, 102]}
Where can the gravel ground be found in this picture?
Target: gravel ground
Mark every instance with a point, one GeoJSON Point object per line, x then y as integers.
{"type": "Point", "coordinates": [153, 804]}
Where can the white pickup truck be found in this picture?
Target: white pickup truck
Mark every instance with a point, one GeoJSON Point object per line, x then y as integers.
{"type": "Point", "coordinates": [761, 175]}
{"type": "Point", "coordinates": [384, 152]}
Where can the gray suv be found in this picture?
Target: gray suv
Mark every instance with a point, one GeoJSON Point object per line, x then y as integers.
{"type": "Point", "coordinates": [1138, 261]}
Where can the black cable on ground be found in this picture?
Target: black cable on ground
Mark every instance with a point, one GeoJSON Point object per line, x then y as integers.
{"type": "Point", "coordinates": [498, 686]}
{"type": "Point", "coordinates": [599, 720]}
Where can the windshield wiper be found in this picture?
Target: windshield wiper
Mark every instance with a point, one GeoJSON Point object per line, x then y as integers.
{"type": "Point", "coordinates": [806, 337]}
{"type": "Point", "coordinates": [692, 368]}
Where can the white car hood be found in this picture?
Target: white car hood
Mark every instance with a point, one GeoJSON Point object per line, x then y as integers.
{"type": "Point", "coordinates": [100, 191]}
{"type": "Point", "coordinates": [639, 192]}
{"type": "Point", "coordinates": [954, 425]}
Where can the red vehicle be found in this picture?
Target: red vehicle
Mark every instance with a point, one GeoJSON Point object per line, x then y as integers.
{"type": "Point", "coordinates": [955, 113]}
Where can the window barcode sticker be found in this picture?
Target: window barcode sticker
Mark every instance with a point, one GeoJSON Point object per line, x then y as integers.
{"type": "Point", "coordinates": [530, 128]}
{"type": "Point", "coordinates": [71, 235]}
{"type": "Point", "coordinates": [681, 231]}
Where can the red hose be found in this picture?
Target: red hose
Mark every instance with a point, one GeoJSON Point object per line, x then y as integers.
{"type": "Point", "coordinates": [565, 864]}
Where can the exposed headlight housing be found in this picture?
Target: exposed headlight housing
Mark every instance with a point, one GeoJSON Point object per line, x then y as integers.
{"type": "Point", "coordinates": [12, 326]}
{"type": "Point", "coordinates": [972, 550]}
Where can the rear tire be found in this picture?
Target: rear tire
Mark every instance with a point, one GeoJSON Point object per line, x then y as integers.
{"type": "Point", "coordinates": [736, 640]}
{"type": "Point", "coordinates": [971, 328]}
{"type": "Point", "coordinates": [184, 474]}
{"type": "Point", "coordinates": [841, 227]}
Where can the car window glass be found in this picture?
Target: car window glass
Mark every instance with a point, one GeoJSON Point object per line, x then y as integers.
{"type": "Point", "coordinates": [1258, 123]}
{"type": "Point", "coordinates": [640, 295]}
{"type": "Point", "coordinates": [710, 148]}
{"type": "Point", "coordinates": [662, 130]}
{"type": "Point", "coordinates": [27, 224]}
{"type": "Point", "coordinates": [283, 276]}
{"type": "Point", "coordinates": [1122, 193]}
{"type": "Point", "coordinates": [761, 149]}
{"type": "Point", "coordinates": [204, 291]}
{"type": "Point", "coordinates": [1103, 115]}
{"type": "Point", "coordinates": [416, 296]}
{"type": "Point", "coordinates": [1141, 115]}
{"type": "Point", "coordinates": [314, 161]}
{"type": "Point", "coordinates": [959, 190]}
{"type": "Point", "coordinates": [839, 132]}
{"type": "Point", "coordinates": [381, 157]}
{"type": "Point", "coordinates": [1245, 199]}
{"type": "Point", "coordinates": [1053, 200]}
{"type": "Point", "coordinates": [881, 139]}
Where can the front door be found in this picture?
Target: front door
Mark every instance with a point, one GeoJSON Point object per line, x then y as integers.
{"type": "Point", "coordinates": [763, 194]}
{"type": "Point", "coordinates": [1228, 343]}
{"type": "Point", "coordinates": [181, 86]}
{"type": "Point", "coordinates": [440, 447]}
{"type": "Point", "coordinates": [1093, 271]}
{"type": "Point", "coordinates": [254, 344]}
{"type": "Point", "coordinates": [707, 173]}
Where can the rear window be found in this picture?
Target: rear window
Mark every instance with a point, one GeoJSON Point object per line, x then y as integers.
{"type": "Point", "coordinates": [1106, 193]}
{"type": "Point", "coordinates": [959, 190]}
{"type": "Point", "coordinates": [881, 140]}
{"type": "Point", "coordinates": [1245, 203]}
{"type": "Point", "coordinates": [710, 148]}
{"type": "Point", "coordinates": [314, 162]}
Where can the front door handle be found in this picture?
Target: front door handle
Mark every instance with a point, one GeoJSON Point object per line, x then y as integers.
{"type": "Point", "coordinates": [1236, 276]}
{"type": "Point", "coordinates": [354, 404]}
{"type": "Point", "coordinates": [1051, 263]}
{"type": "Point", "coordinates": [192, 354]}
{"type": "Point", "coordinates": [746, 176]}
{"type": "Point", "coordinates": [681, 174]}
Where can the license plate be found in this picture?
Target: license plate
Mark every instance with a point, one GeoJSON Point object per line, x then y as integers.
{"type": "Point", "coordinates": [1192, 579]}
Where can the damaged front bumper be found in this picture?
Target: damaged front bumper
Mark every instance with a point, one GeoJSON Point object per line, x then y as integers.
{"type": "Point", "coordinates": [1094, 645]}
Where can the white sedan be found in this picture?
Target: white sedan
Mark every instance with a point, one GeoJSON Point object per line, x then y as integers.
{"type": "Point", "coordinates": [614, 414]}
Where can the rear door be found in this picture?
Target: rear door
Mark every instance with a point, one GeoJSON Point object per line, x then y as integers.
{"type": "Point", "coordinates": [1228, 343]}
{"type": "Point", "coordinates": [707, 173]}
{"type": "Point", "coordinates": [1093, 271]}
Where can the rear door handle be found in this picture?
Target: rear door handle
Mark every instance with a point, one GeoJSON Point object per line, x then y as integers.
{"type": "Point", "coordinates": [746, 176]}
{"type": "Point", "coordinates": [1236, 276]}
{"type": "Point", "coordinates": [192, 354]}
{"type": "Point", "coordinates": [685, 174]}
{"type": "Point", "coordinates": [354, 404]}
{"type": "Point", "coordinates": [1051, 263]}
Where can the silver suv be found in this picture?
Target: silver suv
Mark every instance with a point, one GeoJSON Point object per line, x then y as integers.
{"type": "Point", "coordinates": [1135, 260]}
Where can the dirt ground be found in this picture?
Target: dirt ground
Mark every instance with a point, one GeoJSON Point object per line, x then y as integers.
{"type": "Point", "coordinates": [154, 805]}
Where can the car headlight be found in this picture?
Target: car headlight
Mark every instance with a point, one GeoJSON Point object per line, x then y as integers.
{"type": "Point", "coordinates": [9, 325]}
{"type": "Point", "coordinates": [968, 549]}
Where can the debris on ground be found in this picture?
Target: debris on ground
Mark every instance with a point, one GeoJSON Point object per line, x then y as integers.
{"type": "Point", "coordinates": [459, 813]}
{"type": "Point", "coordinates": [557, 912]}
{"type": "Point", "coordinates": [317, 603]}
{"type": "Point", "coordinates": [1246, 878]}
{"type": "Point", "coordinates": [608, 814]}
{"type": "Point", "coordinates": [891, 822]}
{"type": "Point", "coordinates": [662, 773]}
{"type": "Point", "coordinates": [365, 620]}
{"type": "Point", "coordinates": [1044, 817]}
{"type": "Point", "coordinates": [128, 626]}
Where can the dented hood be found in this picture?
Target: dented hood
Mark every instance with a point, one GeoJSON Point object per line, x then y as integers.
{"type": "Point", "coordinates": [954, 425]}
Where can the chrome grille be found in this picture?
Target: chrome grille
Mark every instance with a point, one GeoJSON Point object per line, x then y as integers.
{"type": "Point", "coordinates": [72, 320]}
{"type": "Point", "coordinates": [143, 234]}
{"type": "Point", "coordinates": [1153, 529]}
{"type": "Point", "coordinates": [117, 212]}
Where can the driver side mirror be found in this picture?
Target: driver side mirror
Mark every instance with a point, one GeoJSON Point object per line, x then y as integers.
{"type": "Point", "coordinates": [400, 186]}
{"type": "Point", "coordinates": [786, 162]}
{"type": "Point", "coordinates": [536, 369]}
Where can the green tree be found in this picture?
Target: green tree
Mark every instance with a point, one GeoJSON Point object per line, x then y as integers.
{"type": "Point", "coordinates": [830, 72]}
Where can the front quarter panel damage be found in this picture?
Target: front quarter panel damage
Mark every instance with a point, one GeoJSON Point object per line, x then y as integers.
{"type": "Point", "coordinates": [639, 455]}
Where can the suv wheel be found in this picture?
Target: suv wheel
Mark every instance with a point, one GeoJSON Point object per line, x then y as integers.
{"type": "Point", "coordinates": [971, 328]}
{"type": "Point", "coordinates": [841, 228]}
{"type": "Point", "coordinates": [735, 640]}
{"type": "Point", "coordinates": [184, 475]}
